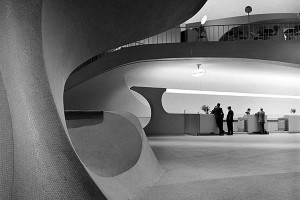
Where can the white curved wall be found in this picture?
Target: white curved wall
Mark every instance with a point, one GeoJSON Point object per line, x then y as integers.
{"type": "Point", "coordinates": [110, 91]}
{"type": "Point", "coordinates": [107, 91]}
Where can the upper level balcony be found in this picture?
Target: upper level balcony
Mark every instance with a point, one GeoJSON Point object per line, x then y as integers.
{"type": "Point", "coordinates": [215, 33]}
{"type": "Point", "coordinates": [249, 41]}
{"type": "Point", "coordinates": [235, 32]}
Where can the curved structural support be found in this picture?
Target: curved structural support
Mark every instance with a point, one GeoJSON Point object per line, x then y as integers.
{"type": "Point", "coordinates": [116, 153]}
{"type": "Point", "coordinates": [6, 146]}
{"type": "Point", "coordinates": [161, 122]}
{"type": "Point", "coordinates": [45, 165]}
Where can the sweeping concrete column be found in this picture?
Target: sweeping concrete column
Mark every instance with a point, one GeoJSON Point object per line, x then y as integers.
{"type": "Point", "coordinates": [6, 146]}
{"type": "Point", "coordinates": [44, 165]}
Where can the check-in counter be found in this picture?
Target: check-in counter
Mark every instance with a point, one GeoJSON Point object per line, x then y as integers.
{"type": "Point", "coordinates": [253, 124]}
{"type": "Point", "coordinates": [293, 123]}
{"type": "Point", "coordinates": [282, 124]}
{"type": "Point", "coordinates": [197, 124]}
{"type": "Point", "coordinates": [243, 124]}
{"type": "Point", "coordinates": [191, 124]}
{"type": "Point", "coordinates": [208, 124]}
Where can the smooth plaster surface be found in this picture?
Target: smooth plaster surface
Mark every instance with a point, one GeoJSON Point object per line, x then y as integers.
{"type": "Point", "coordinates": [264, 167]}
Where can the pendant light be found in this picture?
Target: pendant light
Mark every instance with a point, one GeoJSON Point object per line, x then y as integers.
{"type": "Point", "coordinates": [198, 72]}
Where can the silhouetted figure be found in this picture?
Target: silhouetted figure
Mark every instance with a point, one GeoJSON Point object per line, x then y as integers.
{"type": "Point", "coordinates": [229, 120]}
{"type": "Point", "coordinates": [261, 120]}
{"type": "Point", "coordinates": [219, 115]}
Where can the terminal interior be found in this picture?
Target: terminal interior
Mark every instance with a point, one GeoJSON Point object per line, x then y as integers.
{"type": "Point", "coordinates": [108, 99]}
{"type": "Point", "coordinates": [243, 166]}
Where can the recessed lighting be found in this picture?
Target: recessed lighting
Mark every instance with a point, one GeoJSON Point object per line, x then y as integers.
{"type": "Point", "coordinates": [180, 91]}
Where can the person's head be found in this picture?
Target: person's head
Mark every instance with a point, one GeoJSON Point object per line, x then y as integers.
{"type": "Point", "coordinates": [248, 109]}
{"type": "Point", "coordinates": [261, 109]}
{"type": "Point", "coordinates": [229, 107]}
{"type": "Point", "coordinates": [276, 28]}
{"type": "Point", "coordinates": [218, 104]}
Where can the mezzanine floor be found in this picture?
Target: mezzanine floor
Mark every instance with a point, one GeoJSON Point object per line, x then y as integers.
{"type": "Point", "coordinates": [227, 167]}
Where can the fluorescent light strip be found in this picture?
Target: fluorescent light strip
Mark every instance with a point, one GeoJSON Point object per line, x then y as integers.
{"type": "Point", "coordinates": [237, 94]}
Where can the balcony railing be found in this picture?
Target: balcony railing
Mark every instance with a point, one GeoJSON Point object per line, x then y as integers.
{"type": "Point", "coordinates": [237, 32]}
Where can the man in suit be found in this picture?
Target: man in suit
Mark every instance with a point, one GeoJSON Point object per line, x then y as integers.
{"type": "Point", "coordinates": [229, 120]}
{"type": "Point", "coordinates": [261, 120]}
{"type": "Point", "coordinates": [219, 115]}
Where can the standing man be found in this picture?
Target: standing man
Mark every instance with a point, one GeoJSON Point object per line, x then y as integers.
{"type": "Point", "coordinates": [229, 120]}
{"type": "Point", "coordinates": [219, 115]}
{"type": "Point", "coordinates": [261, 120]}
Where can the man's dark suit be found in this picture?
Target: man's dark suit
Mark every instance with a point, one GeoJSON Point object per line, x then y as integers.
{"type": "Point", "coordinates": [229, 120]}
{"type": "Point", "coordinates": [219, 115]}
{"type": "Point", "coordinates": [261, 121]}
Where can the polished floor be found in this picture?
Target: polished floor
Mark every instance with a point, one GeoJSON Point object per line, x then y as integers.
{"type": "Point", "coordinates": [228, 167]}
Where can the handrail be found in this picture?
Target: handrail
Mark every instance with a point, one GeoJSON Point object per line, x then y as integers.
{"type": "Point", "coordinates": [231, 32]}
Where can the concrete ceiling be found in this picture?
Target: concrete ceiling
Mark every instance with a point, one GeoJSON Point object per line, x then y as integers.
{"type": "Point", "coordinates": [236, 74]}
{"type": "Point", "coordinates": [222, 75]}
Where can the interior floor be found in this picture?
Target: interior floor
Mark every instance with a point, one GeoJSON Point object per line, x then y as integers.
{"type": "Point", "coordinates": [238, 167]}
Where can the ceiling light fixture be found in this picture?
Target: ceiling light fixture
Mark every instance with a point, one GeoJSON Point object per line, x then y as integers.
{"type": "Point", "coordinates": [203, 20]}
{"type": "Point", "coordinates": [198, 72]}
